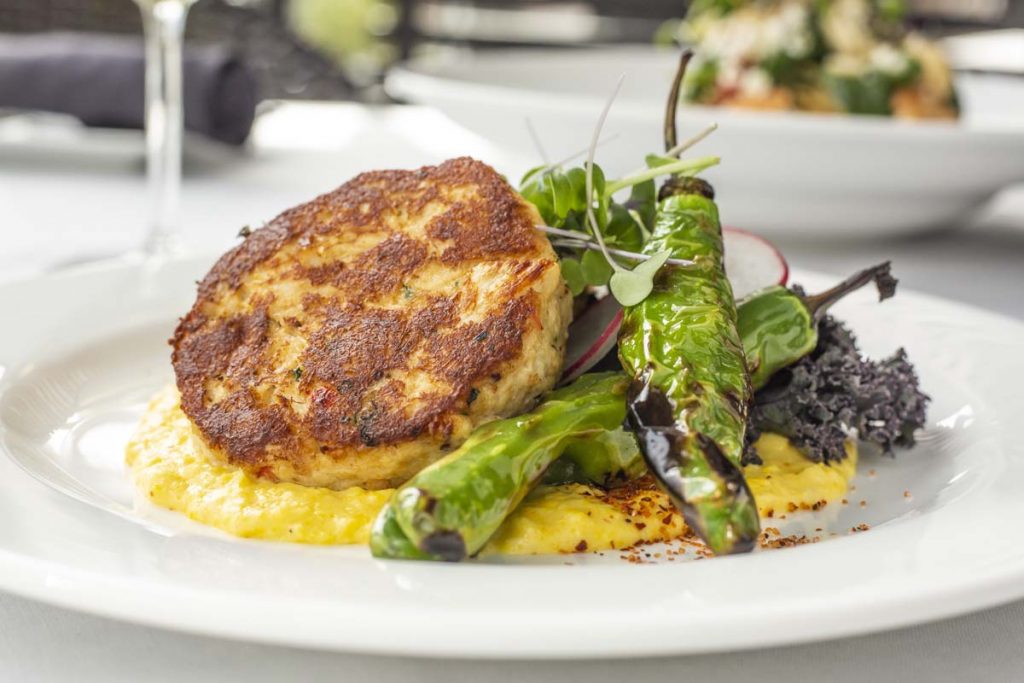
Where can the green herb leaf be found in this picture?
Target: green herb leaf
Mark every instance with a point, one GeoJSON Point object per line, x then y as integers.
{"type": "Point", "coordinates": [657, 160]}
{"type": "Point", "coordinates": [596, 269]}
{"type": "Point", "coordinates": [572, 273]}
{"type": "Point", "coordinates": [531, 176]}
{"type": "Point", "coordinates": [536, 190]}
{"type": "Point", "coordinates": [640, 225]}
{"type": "Point", "coordinates": [659, 168]}
{"type": "Point", "coordinates": [622, 230]}
{"type": "Point", "coordinates": [599, 182]}
{"type": "Point", "coordinates": [643, 199]}
{"type": "Point", "coordinates": [630, 287]}
{"type": "Point", "coordinates": [560, 196]}
{"type": "Point", "coordinates": [572, 196]}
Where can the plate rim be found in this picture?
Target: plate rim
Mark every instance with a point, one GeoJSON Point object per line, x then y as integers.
{"type": "Point", "coordinates": [74, 588]}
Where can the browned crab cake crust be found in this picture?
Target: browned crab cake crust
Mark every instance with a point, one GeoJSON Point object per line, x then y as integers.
{"type": "Point", "coordinates": [355, 338]}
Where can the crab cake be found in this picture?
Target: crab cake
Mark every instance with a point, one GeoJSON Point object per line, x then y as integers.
{"type": "Point", "coordinates": [356, 338]}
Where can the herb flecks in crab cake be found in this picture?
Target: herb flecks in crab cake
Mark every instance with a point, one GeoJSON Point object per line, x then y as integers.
{"type": "Point", "coordinates": [355, 338]}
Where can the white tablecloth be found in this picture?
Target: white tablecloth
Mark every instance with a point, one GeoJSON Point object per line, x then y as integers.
{"type": "Point", "coordinates": [66, 194]}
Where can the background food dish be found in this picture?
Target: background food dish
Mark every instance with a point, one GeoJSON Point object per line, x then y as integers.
{"type": "Point", "coordinates": [783, 173]}
{"type": "Point", "coordinates": [842, 57]}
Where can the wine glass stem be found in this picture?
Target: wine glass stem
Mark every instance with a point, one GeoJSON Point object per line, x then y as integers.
{"type": "Point", "coordinates": [164, 28]}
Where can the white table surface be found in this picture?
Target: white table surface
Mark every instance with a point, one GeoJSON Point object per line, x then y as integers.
{"type": "Point", "coordinates": [66, 194]}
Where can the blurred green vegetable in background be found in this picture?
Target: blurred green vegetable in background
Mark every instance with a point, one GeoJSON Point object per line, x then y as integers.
{"type": "Point", "coordinates": [355, 33]}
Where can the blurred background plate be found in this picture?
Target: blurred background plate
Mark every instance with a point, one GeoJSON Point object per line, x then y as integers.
{"type": "Point", "coordinates": [782, 173]}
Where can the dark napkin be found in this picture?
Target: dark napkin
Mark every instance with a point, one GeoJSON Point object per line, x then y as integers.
{"type": "Point", "coordinates": [98, 79]}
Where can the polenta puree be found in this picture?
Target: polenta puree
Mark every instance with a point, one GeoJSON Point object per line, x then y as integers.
{"type": "Point", "coordinates": [172, 473]}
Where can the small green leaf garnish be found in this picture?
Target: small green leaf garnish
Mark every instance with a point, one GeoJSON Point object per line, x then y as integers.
{"type": "Point", "coordinates": [630, 287]}
{"type": "Point", "coordinates": [297, 374]}
{"type": "Point", "coordinates": [643, 200]}
{"type": "Point", "coordinates": [596, 270]}
{"type": "Point", "coordinates": [572, 273]}
{"type": "Point", "coordinates": [595, 183]}
{"type": "Point", "coordinates": [677, 167]}
{"type": "Point", "coordinates": [657, 160]}
{"type": "Point", "coordinates": [580, 213]}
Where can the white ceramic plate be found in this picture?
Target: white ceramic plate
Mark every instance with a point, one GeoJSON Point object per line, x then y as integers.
{"type": "Point", "coordinates": [82, 351]}
{"type": "Point", "coordinates": [781, 173]}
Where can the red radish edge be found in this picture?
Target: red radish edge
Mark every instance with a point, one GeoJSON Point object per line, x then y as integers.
{"type": "Point", "coordinates": [746, 281]}
{"type": "Point", "coordinates": [584, 327]}
{"type": "Point", "coordinates": [768, 243]}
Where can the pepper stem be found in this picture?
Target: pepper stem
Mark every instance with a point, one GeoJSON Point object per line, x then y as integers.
{"type": "Point", "coordinates": [819, 304]}
{"type": "Point", "coordinates": [671, 137]}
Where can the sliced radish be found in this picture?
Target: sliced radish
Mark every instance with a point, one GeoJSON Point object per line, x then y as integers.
{"type": "Point", "coordinates": [591, 336]}
{"type": "Point", "coordinates": [752, 262]}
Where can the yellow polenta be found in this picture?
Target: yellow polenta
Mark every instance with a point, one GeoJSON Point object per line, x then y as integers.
{"type": "Point", "coordinates": [172, 473]}
{"type": "Point", "coordinates": [787, 481]}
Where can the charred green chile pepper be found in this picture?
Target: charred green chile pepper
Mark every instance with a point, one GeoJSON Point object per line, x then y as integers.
{"type": "Point", "coordinates": [779, 326]}
{"type": "Point", "coordinates": [687, 417]}
{"type": "Point", "coordinates": [388, 540]}
{"type": "Point", "coordinates": [450, 509]}
{"type": "Point", "coordinates": [688, 401]}
{"type": "Point", "coordinates": [605, 459]}
{"type": "Point", "coordinates": [690, 392]}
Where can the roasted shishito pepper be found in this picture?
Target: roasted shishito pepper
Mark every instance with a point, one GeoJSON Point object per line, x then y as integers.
{"type": "Point", "coordinates": [450, 509]}
{"type": "Point", "coordinates": [690, 393]}
{"type": "Point", "coordinates": [692, 361]}
{"type": "Point", "coordinates": [779, 326]}
{"type": "Point", "coordinates": [575, 435]}
{"type": "Point", "coordinates": [688, 401]}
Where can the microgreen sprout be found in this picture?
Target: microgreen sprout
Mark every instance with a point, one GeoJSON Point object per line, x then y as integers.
{"type": "Point", "coordinates": [687, 144]}
{"type": "Point", "coordinates": [676, 151]}
{"type": "Point", "coordinates": [591, 218]}
{"type": "Point", "coordinates": [583, 242]}
{"type": "Point", "coordinates": [581, 214]}
{"type": "Point", "coordinates": [629, 287]}
{"type": "Point", "coordinates": [681, 167]}
{"type": "Point", "coordinates": [576, 155]}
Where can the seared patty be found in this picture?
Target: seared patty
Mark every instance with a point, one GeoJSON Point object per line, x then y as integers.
{"type": "Point", "coordinates": [356, 338]}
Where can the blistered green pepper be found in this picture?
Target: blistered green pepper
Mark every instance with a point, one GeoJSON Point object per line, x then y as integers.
{"type": "Point", "coordinates": [450, 509]}
{"type": "Point", "coordinates": [688, 402]}
{"type": "Point", "coordinates": [779, 326]}
{"type": "Point", "coordinates": [774, 326]}
{"type": "Point", "coordinates": [388, 540]}
{"type": "Point", "coordinates": [605, 460]}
